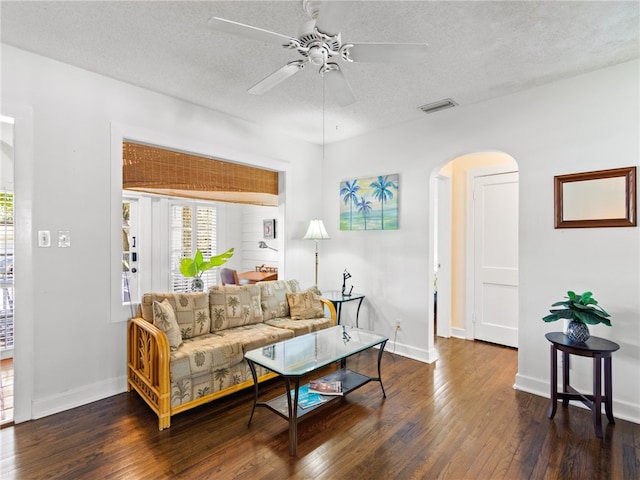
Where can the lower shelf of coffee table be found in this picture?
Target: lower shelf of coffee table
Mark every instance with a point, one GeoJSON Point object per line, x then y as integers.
{"type": "Point", "coordinates": [350, 381]}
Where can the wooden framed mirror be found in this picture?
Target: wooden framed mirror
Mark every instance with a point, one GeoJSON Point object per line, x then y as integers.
{"type": "Point", "coordinates": [604, 198]}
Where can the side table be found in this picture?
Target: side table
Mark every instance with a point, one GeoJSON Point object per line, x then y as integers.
{"type": "Point", "coordinates": [338, 299]}
{"type": "Point", "coordinates": [597, 348]}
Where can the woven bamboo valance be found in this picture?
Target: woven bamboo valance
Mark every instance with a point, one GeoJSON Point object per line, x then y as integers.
{"type": "Point", "coordinates": [166, 172]}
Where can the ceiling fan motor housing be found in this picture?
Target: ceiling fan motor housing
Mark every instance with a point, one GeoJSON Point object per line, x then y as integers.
{"type": "Point", "coordinates": [316, 45]}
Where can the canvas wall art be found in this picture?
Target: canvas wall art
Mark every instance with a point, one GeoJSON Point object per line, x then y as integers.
{"type": "Point", "coordinates": [369, 203]}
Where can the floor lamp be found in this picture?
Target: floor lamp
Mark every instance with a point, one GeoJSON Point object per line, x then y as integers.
{"type": "Point", "coordinates": [317, 232]}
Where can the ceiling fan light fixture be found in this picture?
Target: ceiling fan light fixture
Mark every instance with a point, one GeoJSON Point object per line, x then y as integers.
{"type": "Point", "coordinates": [318, 55]}
{"type": "Point", "coordinates": [438, 106]}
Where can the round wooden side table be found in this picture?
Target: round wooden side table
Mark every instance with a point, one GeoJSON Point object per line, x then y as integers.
{"type": "Point", "coordinates": [600, 350]}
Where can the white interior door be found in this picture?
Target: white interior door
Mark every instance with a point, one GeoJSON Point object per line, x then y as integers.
{"type": "Point", "coordinates": [495, 285]}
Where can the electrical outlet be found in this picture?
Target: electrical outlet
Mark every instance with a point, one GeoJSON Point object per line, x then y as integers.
{"type": "Point", "coordinates": [398, 324]}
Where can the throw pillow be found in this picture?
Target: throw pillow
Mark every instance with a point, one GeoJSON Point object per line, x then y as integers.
{"type": "Point", "coordinates": [305, 305]}
{"type": "Point", "coordinates": [234, 306]}
{"type": "Point", "coordinates": [315, 290]}
{"type": "Point", "coordinates": [165, 319]}
{"type": "Point", "coordinates": [273, 299]}
{"type": "Point", "coordinates": [192, 313]}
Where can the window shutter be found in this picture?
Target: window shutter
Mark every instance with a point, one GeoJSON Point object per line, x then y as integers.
{"type": "Point", "coordinates": [192, 227]}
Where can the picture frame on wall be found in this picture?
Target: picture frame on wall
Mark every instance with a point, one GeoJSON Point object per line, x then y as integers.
{"type": "Point", "coordinates": [370, 203]}
{"type": "Point", "coordinates": [602, 198]}
{"type": "Point", "coordinates": [269, 229]}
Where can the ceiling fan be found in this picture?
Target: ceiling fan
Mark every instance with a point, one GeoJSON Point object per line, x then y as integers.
{"type": "Point", "coordinates": [320, 43]}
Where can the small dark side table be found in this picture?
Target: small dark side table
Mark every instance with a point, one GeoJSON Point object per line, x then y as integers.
{"type": "Point", "coordinates": [597, 348]}
{"type": "Point", "coordinates": [337, 298]}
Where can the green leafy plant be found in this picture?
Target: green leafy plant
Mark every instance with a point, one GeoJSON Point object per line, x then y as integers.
{"type": "Point", "coordinates": [581, 308]}
{"type": "Point", "coordinates": [194, 267]}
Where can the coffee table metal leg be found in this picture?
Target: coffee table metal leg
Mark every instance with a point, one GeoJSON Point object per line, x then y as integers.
{"type": "Point", "coordinates": [380, 352]}
{"type": "Point", "coordinates": [292, 404]}
{"type": "Point", "coordinates": [252, 367]}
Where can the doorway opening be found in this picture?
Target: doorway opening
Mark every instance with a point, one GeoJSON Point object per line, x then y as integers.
{"type": "Point", "coordinates": [475, 223]}
{"type": "Point", "coordinates": [6, 269]}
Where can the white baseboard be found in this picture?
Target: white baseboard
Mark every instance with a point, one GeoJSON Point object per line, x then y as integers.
{"type": "Point", "coordinates": [459, 333]}
{"type": "Point", "coordinates": [622, 410]}
{"type": "Point", "coordinates": [425, 356]}
{"type": "Point", "coordinates": [81, 396]}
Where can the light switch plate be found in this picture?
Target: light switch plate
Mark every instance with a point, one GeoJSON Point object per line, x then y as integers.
{"type": "Point", "coordinates": [64, 239]}
{"type": "Point", "coordinates": [44, 238]}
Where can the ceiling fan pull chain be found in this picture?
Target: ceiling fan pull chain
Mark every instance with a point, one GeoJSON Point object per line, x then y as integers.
{"type": "Point", "coordinates": [323, 113]}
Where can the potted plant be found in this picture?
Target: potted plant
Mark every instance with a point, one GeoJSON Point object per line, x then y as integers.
{"type": "Point", "coordinates": [580, 310]}
{"type": "Point", "coordinates": [194, 267]}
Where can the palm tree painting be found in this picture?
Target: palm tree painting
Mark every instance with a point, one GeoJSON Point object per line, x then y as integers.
{"type": "Point", "coordinates": [348, 191]}
{"type": "Point", "coordinates": [375, 200]}
{"type": "Point", "coordinates": [365, 208]}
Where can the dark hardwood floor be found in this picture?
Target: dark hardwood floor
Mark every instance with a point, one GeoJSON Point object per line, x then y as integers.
{"type": "Point", "coordinates": [459, 418]}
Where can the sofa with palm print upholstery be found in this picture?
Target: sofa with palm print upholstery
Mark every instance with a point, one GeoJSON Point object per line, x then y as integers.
{"type": "Point", "coordinates": [187, 349]}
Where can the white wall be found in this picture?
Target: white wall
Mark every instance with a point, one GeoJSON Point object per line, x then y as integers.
{"type": "Point", "coordinates": [585, 123]}
{"type": "Point", "coordinates": [68, 350]}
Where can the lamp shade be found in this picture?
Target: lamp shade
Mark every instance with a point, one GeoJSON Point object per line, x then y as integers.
{"type": "Point", "coordinates": [316, 231]}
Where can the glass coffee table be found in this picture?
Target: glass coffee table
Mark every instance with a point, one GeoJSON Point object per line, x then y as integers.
{"type": "Point", "coordinates": [293, 358]}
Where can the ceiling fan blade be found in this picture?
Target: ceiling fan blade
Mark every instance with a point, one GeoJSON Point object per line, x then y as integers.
{"type": "Point", "coordinates": [247, 31]}
{"type": "Point", "coordinates": [277, 77]}
{"type": "Point", "coordinates": [338, 87]}
{"type": "Point", "coordinates": [331, 16]}
{"type": "Point", "coordinates": [389, 52]}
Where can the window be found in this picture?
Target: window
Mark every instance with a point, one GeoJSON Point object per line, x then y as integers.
{"type": "Point", "coordinates": [193, 226]}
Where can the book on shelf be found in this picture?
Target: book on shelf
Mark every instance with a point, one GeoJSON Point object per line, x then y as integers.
{"type": "Point", "coordinates": [307, 399]}
{"type": "Point", "coordinates": [324, 387]}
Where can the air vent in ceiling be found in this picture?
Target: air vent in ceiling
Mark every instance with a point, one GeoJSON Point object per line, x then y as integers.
{"type": "Point", "coordinates": [437, 106]}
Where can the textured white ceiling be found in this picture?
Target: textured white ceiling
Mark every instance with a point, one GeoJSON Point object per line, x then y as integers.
{"type": "Point", "coordinates": [478, 50]}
